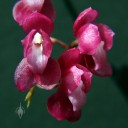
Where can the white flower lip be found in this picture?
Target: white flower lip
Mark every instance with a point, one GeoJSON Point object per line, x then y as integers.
{"type": "Point", "coordinates": [38, 39]}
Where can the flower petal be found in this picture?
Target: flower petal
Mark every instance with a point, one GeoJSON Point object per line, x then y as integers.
{"type": "Point", "coordinates": [38, 21]}
{"type": "Point", "coordinates": [48, 9]}
{"type": "Point", "coordinates": [101, 67]}
{"type": "Point", "coordinates": [87, 16]}
{"type": "Point", "coordinates": [59, 106]}
{"type": "Point", "coordinates": [27, 42]}
{"type": "Point", "coordinates": [75, 116]}
{"type": "Point", "coordinates": [37, 60]}
{"type": "Point", "coordinates": [35, 5]}
{"type": "Point", "coordinates": [50, 77]}
{"type": "Point", "coordinates": [106, 35]}
{"type": "Point", "coordinates": [44, 7]}
{"type": "Point", "coordinates": [71, 79]}
{"type": "Point", "coordinates": [20, 12]}
{"type": "Point", "coordinates": [86, 78]}
{"type": "Point", "coordinates": [78, 97]}
{"type": "Point", "coordinates": [47, 44]}
{"type": "Point", "coordinates": [69, 58]}
{"type": "Point", "coordinates": [24, 78]}
{"type": "Point", "coordinates": [88, 39]}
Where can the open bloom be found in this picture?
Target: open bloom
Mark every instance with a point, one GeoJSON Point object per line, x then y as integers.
{"type": "Point", "coordinates": [35, 14]}
{"type": "Point", "coordinates": [37, 67]}
{"type": "Point", "coordinates": [94, 40]}
{"type": "Point", "coordinates": [37, 49]}
{"type": "Point", "coordinates": [75, 82]}
{"type": "Point", "coordinates": [24, 8]}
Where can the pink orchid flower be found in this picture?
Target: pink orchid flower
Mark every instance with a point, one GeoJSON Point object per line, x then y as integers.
{"type": "Point", "coordinates": [94, 40]}
{"type": "Point", "coordinates": [24, 8]}
{"type": "Point", "coordinates": [75, 82]}
{"type": "Point", "coordinates": [37, 67]}
{"type": "Point", "coordinates": [37, 49]}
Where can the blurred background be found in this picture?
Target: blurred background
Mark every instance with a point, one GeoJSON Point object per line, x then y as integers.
{"type": "Point", "coordinates": [107, 101]}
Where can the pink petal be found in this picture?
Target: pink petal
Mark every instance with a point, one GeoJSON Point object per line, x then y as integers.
{"type": "Point", "coordinates": [20, 12]}
{"type": "Point", "coordinates": [50, 77]}
{"type": "Point", "coordinates": [75, 116]}
{"type": "Point", "coordinates": [59, 106]}
{"type": "Point", "coordinates": [27, 42]}
{"type": "Point", "coordinates": [71, 79]}
{"type": "Point", "coordinates": [106, 35]}
{"type": "Point", "coordinates": [78, 97]}
{"type": "Point", "coordinates": [48, 9]}
{"type": "Point", "coordinates": [37, 60]}
{"type": "Point", "coordinates": [35, 5]}
{"type": "Point", "coordinates": [24, 78]}
{"type": "Point", "coordinates": [87, 16]}
{"type": "Point", "coordinates": [38, 21]}
{"type": "Point", "coordinates": [88, 39]}
{"type": "Point", "coordinates": [69, 58]}
{"type": "Point", "coordinates": [47, 44]}
{"type": "Point", "coordinates": [101, 67]}
{"type": "Point", "coordinates": [86, 78]}
{"type": "Point", "coordinates": [24, 8]}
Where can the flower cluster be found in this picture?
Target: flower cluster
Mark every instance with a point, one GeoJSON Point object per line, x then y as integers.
{"type": "Point", "coordinates": [73, 70]}
{"type": "Point", "coordinates": [36, 18]}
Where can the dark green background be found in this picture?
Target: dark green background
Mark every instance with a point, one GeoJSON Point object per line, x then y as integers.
{"type": "Point", "coordinates": [107, 101]}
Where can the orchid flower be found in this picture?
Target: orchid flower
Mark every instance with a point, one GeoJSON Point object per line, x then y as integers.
{"type": "Point", "coordinates": [24, 8]}
{"type": "Point", "coordinates": [37, 49]}
{"type": "Point", "coordinates": [37, 67]}
{"type": "Point", "coordinates": [75, 82]}
{"type": "Point", "coordinates": [94, 40]}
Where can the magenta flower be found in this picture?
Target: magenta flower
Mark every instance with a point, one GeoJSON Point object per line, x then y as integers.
{"type": "Point", "coordinates": [37, 49]}
{"type": "Point", "coordinates": [35, 14]}
{"type": "Point", "coordinates": [37, 67]}
{"type": "Point", "coordinates": [75, 82]}
{"type": "Point", "coordinates": [94, 40]}
{"type": "Point", "coordinates": [24, 8]}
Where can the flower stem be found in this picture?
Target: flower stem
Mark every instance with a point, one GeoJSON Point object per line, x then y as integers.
{"type": "Point", "coordinates": [74, 44]}
{"type": "Point", "coordinates": [57, 41]}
